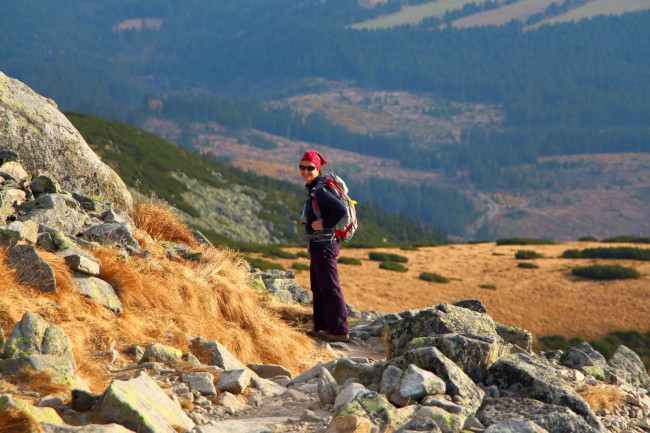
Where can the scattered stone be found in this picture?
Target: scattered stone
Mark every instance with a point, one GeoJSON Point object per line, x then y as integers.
{"type": "Point", "coordinates": [234, 381]}
{"type": "Point", "coordinates": [269, 371]}
{"type": "Point", "coordinates": [32, 269]}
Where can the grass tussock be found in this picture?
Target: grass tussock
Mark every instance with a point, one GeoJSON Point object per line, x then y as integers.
{"type": "Point", "coordinates": [161, 223]}
{"type": "Point", "coordinates": [601, 396]}
{"type": "Point", "coordinates": [40, 381]}
{"type": "Point", "coordinates": [387, 257]}
{"type": "Point", "coordinates": [606, 272]}
{"type": "Point", "coordinates": [433, 277]}
{"type": "Point", "coordinates": [14, 420]}
{"type": "Point", "coordinates": [165, 301]}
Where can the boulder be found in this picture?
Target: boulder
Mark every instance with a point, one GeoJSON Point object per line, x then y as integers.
{"type": "Point", "coordinates": [535, 377]}
{"type": "Point", "coordinates": [519, 337]}
{"type": "Point", "coordinates": [161, 353]}
{"type": "Point", "coordinates": [548, 417]}
{"type": "Point", "coordinates": [113, 234]}
{"type": "Point", "coordinates": [200, 381]}
{"type": "Point", "coordinates": [269, 371]}
{"type": "Point", "coordinates": [46, 141]}
{"type": "Point", "coordinates": [367, 412]}
{"type": "Point", "coordinates": [139, 404]}
{"type": "Point", "coordinates": [473, 353]}
{"type": "Point", "coordinates": [586, 359]}
{"type": "Point", "coordinates": [214, 353]}
{"type": "Point", "coordinates": [32, 269]}
{"type": "Point", "coordinates": [515, 426]}
{"type": "Point", "coordinates": [9, 198]}
{"type": "Point", "coordinates": [81, 261]}
{"type": "Point", "coordinates": [234, 381]}
{"type": "Point", "coordinates": [89, 428]}
{"type": "Point", "coordinates": [98, 290]}
{"type": "Point", "coordinates": [458, 385]}
{"type": "Point", "coordinates": [627, 365]}
{"type": "Point", "coordinates": [39, 414]}
{"type": "Point", "coordinates": [17, 231]}
{"type": "Point", "coordinates": [446, 422]}
{"type": "Point", "coordinates": [417, 383]}
{"type": "Point", "coordinates": [45, 183]}
{"type": "Point", "coordinates": [364, 373]}
{"type": "Point", "coordinates": [56, 212]}
{"type": "Point", "coordinates": [33, 336]}
{"type": "Point", "coordinates": [440, 319]}
{"type": "Point", "coordinates": [284, 287]}
{"type": "Point", "coordinates": [14, 170]}
{"type": "Point", "coordinates": [327, 388]}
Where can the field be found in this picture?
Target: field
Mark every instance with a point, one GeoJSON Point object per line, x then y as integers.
{"type": "Point", "coordinates": [519, 11]}
{"type": "Point", "coordinates": [600, 7]}
{"type": "Point", "coordinates": [415, 14]}
{"type": "Point", "coordinates": [547, 300]}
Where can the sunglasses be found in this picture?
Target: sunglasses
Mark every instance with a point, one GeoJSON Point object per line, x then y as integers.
{"type": "Point", "coordinates": [307, 167]}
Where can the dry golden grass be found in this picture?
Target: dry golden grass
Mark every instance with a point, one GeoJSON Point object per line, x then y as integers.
{"type": "Point", "coordinates": [42, 382]}
{"type": "Point", "coordinates": [601, 396]}
{"type": "Point", "coordinates": [161, 223]}
{"type": "Point", "coordinates": [14, 420]}
{"type": "Point", "coordinates": [164, 302]}
{"type": "Point", "coordinates": [545, 301]}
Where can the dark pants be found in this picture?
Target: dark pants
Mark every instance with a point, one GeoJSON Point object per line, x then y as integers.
{"type": "Point", "coordinates": [330, 312]}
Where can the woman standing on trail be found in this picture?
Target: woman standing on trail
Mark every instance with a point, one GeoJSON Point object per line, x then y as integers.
{"type": "Point", "coordinates": [321, 212]}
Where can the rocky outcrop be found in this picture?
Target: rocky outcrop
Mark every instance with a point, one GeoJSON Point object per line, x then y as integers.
{"type": "Point", "coordinates": [34, 127]}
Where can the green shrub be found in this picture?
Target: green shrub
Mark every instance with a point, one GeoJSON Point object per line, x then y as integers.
{"type": "Point", "coordinates": [527, 265]}
{"type": "Point", "coordinates": [524, 241]}
{"type": "Point", "coordinates": [432, 276]}
{"type": "Point", "coordinates": [588, 239]}
{"type": "Point", "coordinates": [303, 254]}
{"type": "Point", "coordinates": [605, 272]}
{"type": "Point", "coordinates": [300, 266]}
{"type": "Point", "coordinates": [387, 257]}
{"type": "Point", "coordinates": [625, 253]}
{"type": "Point", "coordinates": [262, 264]}
{"type": "Point", "coordinates": [409, 248]}
{"type": "Point", "coordinates": [349, 261]}
{"type": "Point", "coordinates": [628, 240]}
{"type": "Point", "coordinates": [280, 254]}
{"type": "Point", "coordinates": [393, 266]}
{"type": "Point", "coordinates": [488, 286]}
{"type": "Point", "coordinates": [527, 255]}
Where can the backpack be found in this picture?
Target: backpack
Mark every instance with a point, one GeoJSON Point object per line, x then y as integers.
{"type": "Point", "coordinates": [345, 228]}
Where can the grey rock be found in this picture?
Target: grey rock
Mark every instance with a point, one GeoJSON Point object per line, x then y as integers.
{"type": "Point", "coordinates": [141, 405]}
{"type": "Point", "coordinates": [345, 369]}
{"type": "Point", "coordinates": [327, 388]}
{"type": "Point", "coordinates": [442, 403]}
{"type": "Point", "coordinates": [391, 379]}
{"type": "Point", "coordinates": [515, 426]}
{"type": "Point", "coordinates": [98, 290]}
{"type": "Point", "coordinates": [114, 234]}
{"type": "Point", "coordinates": [83, 401]}
{"type": "Point", "coordinates": [627, 365]}
{"type": "Point", "coordinates": [277, 282]}
{"type": "Point", "coordinates": [14, 170]}
{"type": "Point", "coordinates": [202, 382]}
{"type": "Point", "coordinates": [47, 141]}
{"type": "Point", "coordinates": [519, 337]}
{"type": "Point", "coordinates": [9, 199]}
{"type": "Point", "coordinates": [472, 304]}
{"type": "Point", "coordinates": [586, 359]}
{"type": "Point", "coordinates": [45, 182]}
{"type": "Point", "coordinates": [234, 381]}
{"type": "Point", "coordinates": [474, 354]}
{"type": "Point", "coordinates": [268, 371]}
{"type": "Point", "coordinates": [61, 367]}
{"type": "Point", "coordinates": [460, 386]}
{"type": "Point", "coordinates": [312, 373]}
{"type": "Point", "coordinates": [446, 422]}
{"type": "Point", "coordinates": [160, 353]}
{"type": "Point", "coordinates": [56, 211]}
{"type": "Point", "coordinates": [81, 262]}
{"type": "Point", "coordinates": [32, 269]}
{"type": "Point", "coordinates": [440, 319]}
{"type": "Point", "coordinates": [214, 353]}
{"type": "Point", "coordinates": [230, 402]}
{"type": "Point", "coordinates": [34, 336]}
{"type": "Point", "coordinates": [417, 383]}
{"type": "Point", "coordinates": [550, 417]}
{"type": "Point", "coordinates": [17, 231]}
{"type": "Point", "coordinates": [267, 387]}
{"type": "Point", "coordinates": [38, 414]}
{"type": "Point", "coordinates": [534, 377]}
{"type": "Point", "coordinates": [347, 394]}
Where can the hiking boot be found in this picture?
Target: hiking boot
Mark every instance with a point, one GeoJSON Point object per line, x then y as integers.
{"type": "Point", "coordinates": [312, 333]}
{"type": "Point", "coordinates": [333, 338]}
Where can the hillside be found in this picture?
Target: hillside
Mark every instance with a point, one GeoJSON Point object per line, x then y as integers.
{"type": "Point", "coordinates": [228, 205]}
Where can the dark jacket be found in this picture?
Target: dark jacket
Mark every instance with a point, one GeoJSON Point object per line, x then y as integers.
{"type": "Point", "coordinates": [331, 209]}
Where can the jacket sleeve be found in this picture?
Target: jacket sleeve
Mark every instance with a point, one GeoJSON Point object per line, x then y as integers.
{"type": "Point", "coordinates": [331, 208]}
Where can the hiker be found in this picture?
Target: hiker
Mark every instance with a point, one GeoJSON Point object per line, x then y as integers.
{"type": "Point", "coordinates": [330, 311]}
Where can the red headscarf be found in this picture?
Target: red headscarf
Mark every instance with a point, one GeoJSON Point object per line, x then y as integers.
{"type": "Point", "coordinates": [315, 158]}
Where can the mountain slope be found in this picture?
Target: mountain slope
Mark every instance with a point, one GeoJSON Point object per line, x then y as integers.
{"type": "Point", "coordinates": [227, 204]}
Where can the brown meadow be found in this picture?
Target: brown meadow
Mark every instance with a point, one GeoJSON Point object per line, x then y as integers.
{"type": "Point", "coordinates": [547, 300]}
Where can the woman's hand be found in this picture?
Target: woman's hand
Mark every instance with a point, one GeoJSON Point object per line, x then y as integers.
{"type": "Point", "coordinates": [317, 225]}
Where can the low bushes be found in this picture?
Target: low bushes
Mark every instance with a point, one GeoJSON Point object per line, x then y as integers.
{"type": "Point", "coordinates": [523, 241]}
{"type": "Point", "coordinates": [527, 255]}
{"type": "Point", "coordinates": [393, 266]}
{"type": "Point", "coordinates": [387, 257]}
{"type": "Point", "coordinates": [629, 253]}
{"type": "Point", "coordinates": [280, 254]}
{"type": "Point", "coordinates": [628, 239]}
{"type": "Point", "coordinates": [262, 264]}
{"type": "Point", "coordinates": [527, 265]}
{"type": "Point", "coordinates": [606, 272]}
{"type": "Point", "coordinates": [300, 266]}
{"type": "Point", "coordinates": [433, 277]}
{"type": "Point", "coordinates": [349, 261]}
